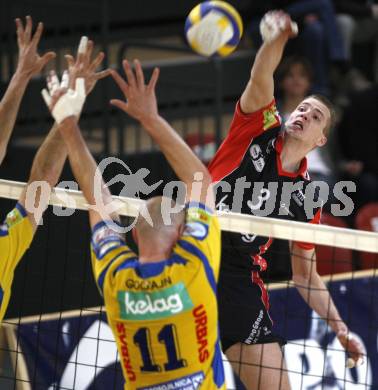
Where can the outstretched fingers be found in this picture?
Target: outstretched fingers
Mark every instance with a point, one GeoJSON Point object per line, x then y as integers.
{"type": "Point", "coordinates": [37, 34]}
{"type": "Point", "coordinates": [154, 78]}
{"type": "Point", "coordinates": [139, 74]}
{"type": "Point", "coordinates": [28, 29]}
{"type": "Point", "coordinates": [120, 104]}
{"type": "Point", "coordinates": [97, 61]}
{"type": "Point", "coordinates": [20, 32]}
{"type": "Point", "coordinates": [129, 74]}
{"type": "Point", "coordinates": [70, 60]}
{"type": "Point", "coordinates": [47, 57]}
{"type": "Point", "coordinates": [102, 74]}
{"type": "Point", "coordinates": [52, 82]}
{"type": "Point", "coordinates": [120, 81]}
{"type": "Point", "coordinates": [82, 49]}
{"type": "Point", "coordinates": [88, 53]}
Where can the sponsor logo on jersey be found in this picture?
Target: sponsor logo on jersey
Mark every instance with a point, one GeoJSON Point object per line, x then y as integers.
{"type": "Point", "coordinates": [189, 382]}
{"type": "Point", "coordinates": [200, 319]}
{"type": "Point", "coordinates": [104, 232]}
{"type": "Point", "coordinates": [195, 214]}
{"type": "Point", "coordinates": [140, 306]}
{"type": "Point", "coordinates": [284, 210]}
{"type": "Point", "coordinates": [144, 284]}
{"type": "Point", "coordinates": [299, 197]}
{"type": "Point", "coordinates": [125, 357]}
{"type": "Point", "coordinates": [13, 218]}
{"type": "Point", "coordinates": [270, 146]}
{"type": "Point", "coordinates": [257, 157]}
{"type": "Point", "coordinates": [270, 117]}
{"type": "Point", "coordinates": [196, 229]}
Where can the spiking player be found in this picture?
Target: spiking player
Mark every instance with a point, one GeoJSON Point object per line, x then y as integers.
{"type": "Point", "coordinates": [257, 150]}
{"type": "Point", "coordinates": [162, 306]}
{"type": "Point", "coordinates": [16, 233]}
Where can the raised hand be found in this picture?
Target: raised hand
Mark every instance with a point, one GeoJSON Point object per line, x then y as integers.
{"type": "Point", "coordinates": [63, 102]}
{"type": "Point", "coordinates": [84, 67]}
{"type": "Point", "coordinates": [140, 99]}
{"type": "Point", "coordinates": [275, 23]}
{"type": "Point", "coordinates": [30, 62]}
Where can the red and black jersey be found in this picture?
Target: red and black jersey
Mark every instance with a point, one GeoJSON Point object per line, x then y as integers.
{"type": "Point", "coordinates": [250, 156]}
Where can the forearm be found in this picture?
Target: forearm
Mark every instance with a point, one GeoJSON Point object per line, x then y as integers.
{"type": "Point", "coordinates": [50, 158]}
{"type": "Point", "coordinates": [84, 168]}
{"type": "Point", "coordinates": [9, 107]}
{"type": "Point", "coordinates": [317, 296]}
{"type": "Point", "coordinates": [177, 152]}
{"type": "Point", "coordinates": [267, 59]}
{"type": "Point", "coordinates": [81, 160]}
{"type": "Point", "coordinates": [260, 88]}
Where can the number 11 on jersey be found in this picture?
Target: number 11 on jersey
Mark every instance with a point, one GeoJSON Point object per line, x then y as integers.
{"type": "Point", "coordinates": [166, 336]}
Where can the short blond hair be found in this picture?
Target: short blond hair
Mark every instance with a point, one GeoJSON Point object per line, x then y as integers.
{"type": "Point", "coordinates": [155, 208]}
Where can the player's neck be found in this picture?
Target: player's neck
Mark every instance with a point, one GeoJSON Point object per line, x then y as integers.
{"type": "Point", "coordinates": [153, 252]}
{"type": "Point", "coordinates": [292, 154]}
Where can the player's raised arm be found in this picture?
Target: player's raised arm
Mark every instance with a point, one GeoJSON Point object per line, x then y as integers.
{"type": "Point", "coordinates": [51, 156]}
{"type": "Point", "coordinates": [66, 107]}
{"type": "Point", "coordinates": [276, 28]}
{"type": "Point", "coordinates": [29, 64]}
{"type": "Point", "coordinates": [141, 104]}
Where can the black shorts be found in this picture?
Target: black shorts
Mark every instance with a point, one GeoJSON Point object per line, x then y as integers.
{"type": "Point", "coordinates": [243, 310]}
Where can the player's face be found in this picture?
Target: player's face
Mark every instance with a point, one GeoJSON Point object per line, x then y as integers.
{"type": "Point", "coordinates": [308, 121]}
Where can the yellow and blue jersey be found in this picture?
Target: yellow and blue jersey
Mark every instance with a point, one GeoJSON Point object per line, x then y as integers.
{"type": "Point", "coordinates": [164, 315]}
{"type": "Point", "coordinates": [16, 234]}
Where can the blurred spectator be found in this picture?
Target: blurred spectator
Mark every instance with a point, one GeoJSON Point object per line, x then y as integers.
{"type": "Point", "coordinates": [358, 23]}
{"type": "Point", "coordinates": [294, 81]}
{"type": "Point", "coordinates": [358, 141]}
{"type": "Point", "coordinates": [319, 38]}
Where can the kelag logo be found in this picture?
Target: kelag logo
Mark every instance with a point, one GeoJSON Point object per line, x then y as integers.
{"type": "Point", "coordinates": [139, 306]}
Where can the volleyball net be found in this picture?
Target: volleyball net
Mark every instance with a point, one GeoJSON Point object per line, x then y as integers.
{"type": "Point", "coordinates": [66, 343]}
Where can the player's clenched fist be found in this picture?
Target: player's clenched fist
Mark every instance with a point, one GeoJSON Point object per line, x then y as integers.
{"type": "Point", "coordinates": [274, 23]}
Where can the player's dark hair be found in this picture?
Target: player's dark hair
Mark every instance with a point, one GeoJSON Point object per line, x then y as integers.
{"type": "Point", "coordinates": [285, 66]}
{"type": "Point", "coordinates": [332, 120]}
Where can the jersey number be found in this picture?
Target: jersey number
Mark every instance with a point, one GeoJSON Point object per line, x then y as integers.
{"type": "Point", "coordinates": [166, 336]}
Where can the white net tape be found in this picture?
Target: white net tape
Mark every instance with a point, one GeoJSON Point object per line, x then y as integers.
{"type": "Point", "coordinates": [235, 222]}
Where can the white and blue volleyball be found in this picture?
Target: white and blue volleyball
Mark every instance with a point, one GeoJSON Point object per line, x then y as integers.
{"type": "Point", "coordinates": [213, 28]}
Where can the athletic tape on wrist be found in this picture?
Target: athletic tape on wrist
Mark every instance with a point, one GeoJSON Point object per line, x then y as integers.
{"type": "Point", "coordinates": [71, 103]}
{"type": "Point", "coordinates": [269, 28]}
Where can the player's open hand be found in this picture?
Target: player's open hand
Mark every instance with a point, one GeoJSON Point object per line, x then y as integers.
{"type": "Point", "coordinates": [30, 62]}
{"type": "Point", "coordinates": [353, 347]}
{"type": "Point", "coordinates": [64, 102]}
{"type": "Point", "coordinates": [84, 67]}
{"type": "Point", "coordinates": [140, 98]}
{"type": "Point", "coordinates": [275, 24]}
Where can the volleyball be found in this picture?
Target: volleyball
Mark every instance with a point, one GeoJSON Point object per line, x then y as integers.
{"type": "Point", "coordinates": [213, 28]}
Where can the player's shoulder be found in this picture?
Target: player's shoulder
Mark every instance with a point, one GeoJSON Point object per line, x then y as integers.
{"type": "Point", "coordinates": [268, 116]}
